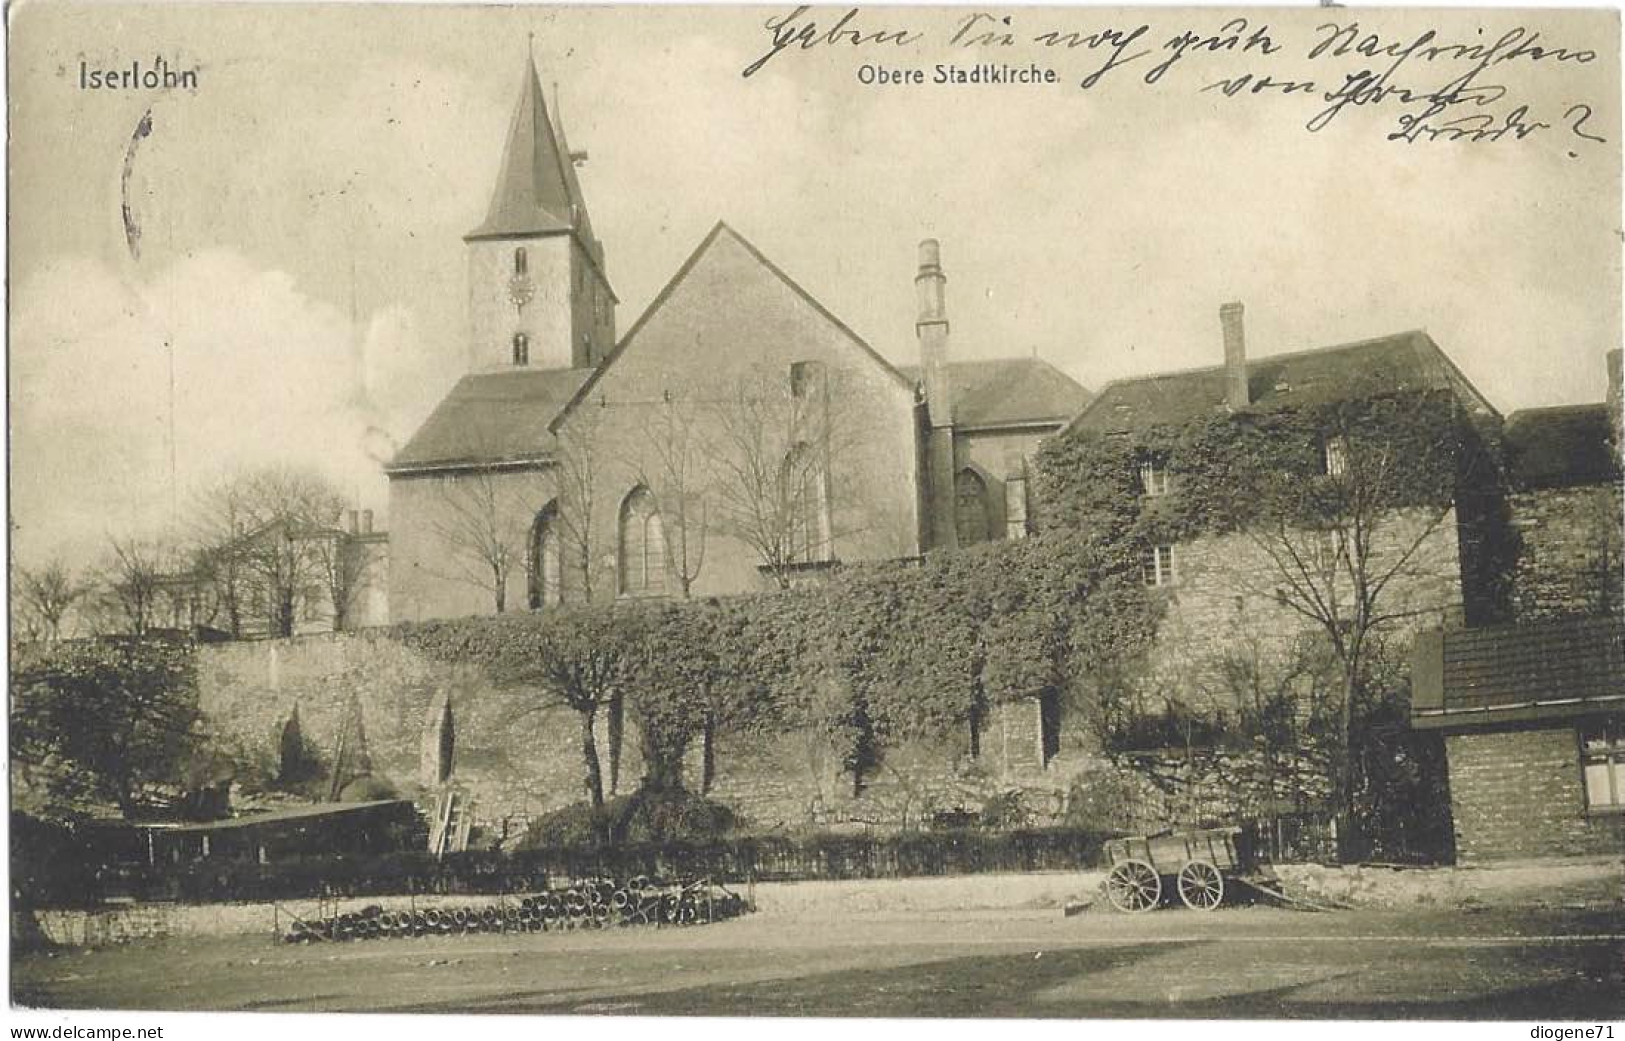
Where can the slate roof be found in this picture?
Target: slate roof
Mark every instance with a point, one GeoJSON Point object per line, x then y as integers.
{"type": "Point", "coordinates": [1009, 391]}
{"type": "Point", "coordinates": [1560, 447]}
{"type": "Point", "coordinates": [1401, 360]}
{"type": "Point", "coordinates": [537, 190]}
{"type": "Point", "coordinates": [1500, 674]}
{"type": "Point", "coordinates": [492, 417]}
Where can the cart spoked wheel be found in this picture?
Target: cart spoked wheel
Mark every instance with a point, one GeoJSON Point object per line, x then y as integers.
{"type": "Point", "coordinates": [1133, 886]}
{"type": "Point", "coordinates": [1201, 885]}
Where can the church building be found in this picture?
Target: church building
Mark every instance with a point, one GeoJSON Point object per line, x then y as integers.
{"type": "Point", "coordinates": [738, 436]}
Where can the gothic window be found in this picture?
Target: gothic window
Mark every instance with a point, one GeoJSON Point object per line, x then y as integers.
{"type": "Point", "coordinates": [806, 505]}
{"type": "Point", "coordinates": [521, 261]}
{"type": "Point", "coordinates": [805, 378]}
{"type": "Point", "coordinates": [970, 507]}
{"type": "Point", "coordinates": [546, 570]}
{"type": "Point", "coordinates": [642, 546]}
{"type": "Point", "coordinates": [1015, 506]}
{"type": "Point", "coordinates": [521, 349]}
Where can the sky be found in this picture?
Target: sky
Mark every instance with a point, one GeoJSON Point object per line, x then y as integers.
{"type": "Point", "coordinates": [300, 270]}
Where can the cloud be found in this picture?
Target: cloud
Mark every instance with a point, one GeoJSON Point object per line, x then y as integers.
{"type": "Point", "coordinates": [263, 373]}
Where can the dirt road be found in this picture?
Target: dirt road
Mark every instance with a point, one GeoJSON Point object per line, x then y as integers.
{"type": "Point", "coordinates": [1251, 962]}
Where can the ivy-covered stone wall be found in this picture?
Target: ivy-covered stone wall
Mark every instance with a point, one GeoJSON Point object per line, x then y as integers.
{"type": "Point", "coordinates": [1569, 558]}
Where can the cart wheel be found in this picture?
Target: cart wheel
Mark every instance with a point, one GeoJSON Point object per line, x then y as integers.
{"type": "Point", "coordinates": [1133, 886]}
{"type": "Point", "coordinates": [1201, 885]}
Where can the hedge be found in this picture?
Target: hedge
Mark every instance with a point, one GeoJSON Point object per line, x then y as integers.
{"type": "Point", "coordinates": [740, 860]}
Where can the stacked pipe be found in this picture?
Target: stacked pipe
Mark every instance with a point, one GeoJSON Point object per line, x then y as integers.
{"type": "Point", "coordinates": [591, 904]}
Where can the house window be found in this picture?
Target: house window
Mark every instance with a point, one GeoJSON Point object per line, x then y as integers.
{"type": "Point", "coordinates": [521, 349]}
{"type": "Point", "coordinates": [970, 507]}
{"type": "Point", "coordinates": [1602, 763]}
{"type": "Point", "coordinates": [806, 506]}
{"type": "Point", "coordinates": [1334, 456]}
{"type": "Point", "coordinates": [1154, 475]}
{"type": "Point", "coordinates": [642, 545]}
{"type": "Point", "coordinates": [1323, 552]}
{"type": "Point", "coordinates": [1157, 565]}
{"type": "Point", "coordinates": [521, 261]}
{"type": "Point", "coordinates": [546, 589]}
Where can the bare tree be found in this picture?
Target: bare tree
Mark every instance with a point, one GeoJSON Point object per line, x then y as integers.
{"type": "Point", "coordinates": [482, 520]}
{"type": "Point", "coordinates": [344, 570]}
{"type": "Point", "coordinates": [579, 456]}
{"type": "Point", "coordinates": [672, 461]}
{"type": "Point", "coordinates": [222, 516]}
{"type": "Point", "coordinates": [774, 445]}
{"type": "Point", "coordinates": [260, 544]}
{"type": "Point", "coordinates": [133, 580]}
{"type": "Point", "coordinates": [1352, 550]}
{"type": "Point", "coordinates": [45, 595]}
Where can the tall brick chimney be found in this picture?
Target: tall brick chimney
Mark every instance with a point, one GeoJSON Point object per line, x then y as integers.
{"type": "Point", "coordinates": [1236, 394]}
{"type": "Point", "coordinates": [932, 328]}
{"type": "Point", "coordinates": [1616, 400]}
{"type": "Point", "coordinates": [931, 325]}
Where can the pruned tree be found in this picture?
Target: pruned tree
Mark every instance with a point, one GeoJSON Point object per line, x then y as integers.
{"type": "Point", "coordinates": [579, 658]}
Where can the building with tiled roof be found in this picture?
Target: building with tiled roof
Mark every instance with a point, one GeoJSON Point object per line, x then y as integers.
{"type": "Point", "coordinates": [738, 434]}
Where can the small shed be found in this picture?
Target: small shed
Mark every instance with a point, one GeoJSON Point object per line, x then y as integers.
{"type": "Point", "coordinates": [319, 829]}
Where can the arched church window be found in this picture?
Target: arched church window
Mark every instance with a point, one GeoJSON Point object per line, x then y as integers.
{"type": "Point", "coordinates": [970, 507]}
{"type": "Point", "coordinates": [642, 545]}
{"type": "Point", "coordinates": [806, 505]}
{"type": "Point", "coordinates": [545, 559]}
{"type": "Point", "coordinates": [521, 349]}
{"type": "Point", "coordinates": [521, 261]}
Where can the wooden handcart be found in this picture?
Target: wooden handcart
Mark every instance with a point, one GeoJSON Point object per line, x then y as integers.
{"type": "Point", "coordinates": [1197, 864]}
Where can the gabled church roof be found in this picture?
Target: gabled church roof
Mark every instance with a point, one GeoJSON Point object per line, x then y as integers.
{"type": "Point", "coordinates": [721, 232]}
{"type": "Point", "coordinates": [537, 192]}
{"type": "Point", "coordinates": [492, 418]}
{"type": "Point", "coordinates": [1002, 392]}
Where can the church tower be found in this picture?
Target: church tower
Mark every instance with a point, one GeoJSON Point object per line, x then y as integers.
{"type": "Point", "coordinates": [538, 296]}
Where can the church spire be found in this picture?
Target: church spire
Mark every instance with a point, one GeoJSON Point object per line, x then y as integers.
{"type": "Point", "coordinates": [536, 190]}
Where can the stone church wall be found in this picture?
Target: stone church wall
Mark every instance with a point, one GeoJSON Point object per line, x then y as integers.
{"type": "Point", "coordinates": [432, 575]}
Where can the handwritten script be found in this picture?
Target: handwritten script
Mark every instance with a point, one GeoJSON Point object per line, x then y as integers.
{"type": "Point", "coordinates": [1427, 86]}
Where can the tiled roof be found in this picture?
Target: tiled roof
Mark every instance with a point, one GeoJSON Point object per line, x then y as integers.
{"type": "Point", "coordinates": [1559, 447]}
{"type": "Point", "coordinates": [1402, 360]}
{"type": "Point", "coordinates": [492, 417]}
{"type": "Point", "coordinates": [1499, 674]}
{"type": "Point", "coordinates": [537, 191]}
{"type": "Point", "coordinates": [1006, 391]}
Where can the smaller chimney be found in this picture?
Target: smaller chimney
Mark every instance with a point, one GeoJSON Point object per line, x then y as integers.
{"type": "Point", "coordinates": [354, 522]}
{"type": "Point", "coordinates": [1616, 401]}
{"type": "Point", "coordinates": [932, 329]}
{"type": "Point", "coordinates": [1235, 356]}
{"type": "Point", "coordinates": [366, 522]}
